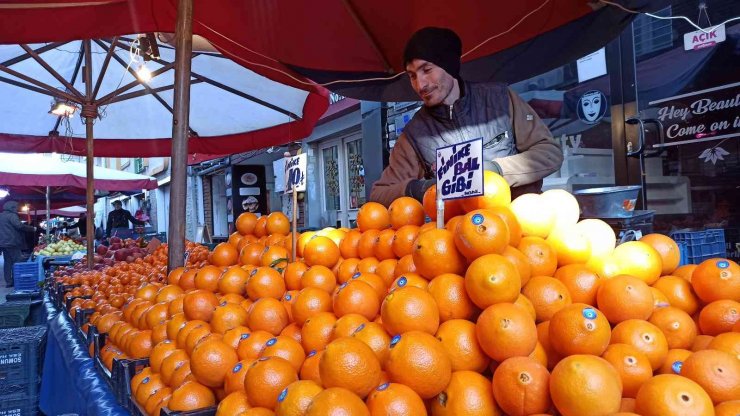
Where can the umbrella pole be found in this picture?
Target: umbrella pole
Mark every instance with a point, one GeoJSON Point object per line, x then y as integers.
{"type": "Point", "coordinates": [89, 112]}
{"type": "Point", "coordinates": [180, 127]}
{"type": "Point", "coordinates": [48, 212]}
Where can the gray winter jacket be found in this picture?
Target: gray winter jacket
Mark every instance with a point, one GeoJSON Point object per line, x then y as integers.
{"type": "Point", "coordinates": [11, 226]}
{"type": "Point", "coordinates": [515, 140]}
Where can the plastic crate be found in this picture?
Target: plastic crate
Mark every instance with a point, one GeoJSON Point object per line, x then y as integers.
{"type": "Point", "coordinates": [21, 358]}
{"type": "Point", "coordinates": [14, 314]}
{"type": "Point", "coordinates": [26, 276]}
{"type": "Point", "coordinates": [123, 372]}
{"type": "Point", "coordinates": [19, 405]}
{"type": "Point", "coordinates": [701, 244]}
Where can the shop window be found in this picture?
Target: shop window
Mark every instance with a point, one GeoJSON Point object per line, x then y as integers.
{"type": "Point", "coordinates": [651, 34]}
{"type": "Point", "coordinates": [330, 159]}
{"type": "Point", "coordinates": [342, 180]}
{"type": "Point", "coordinates": [355, 174]}
{"type": "Point", "coordinates": [694, 181]}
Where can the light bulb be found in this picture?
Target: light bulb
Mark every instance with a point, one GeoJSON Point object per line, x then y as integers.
{"type": "Point", "coordinates": [144, 73]}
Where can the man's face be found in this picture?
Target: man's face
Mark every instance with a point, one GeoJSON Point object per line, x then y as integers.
{"type": "Point", "coordinates": [117, 207]}
{"type": "Point", "coordinates": [432, 83]}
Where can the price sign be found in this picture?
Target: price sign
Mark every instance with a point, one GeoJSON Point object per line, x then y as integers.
{"type": "Point", "coordinates": [295, 173]}
{"type": "Point", "coordinates": [460, 170]}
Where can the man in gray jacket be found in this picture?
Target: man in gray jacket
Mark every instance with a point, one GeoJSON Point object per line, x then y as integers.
{"type": "Point", "coordinates": [516, 143]}
{"type": "Point", "coordinates": [11, 239]}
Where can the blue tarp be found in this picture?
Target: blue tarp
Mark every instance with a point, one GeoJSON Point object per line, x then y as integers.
{"type": "Point", "coordinates": [69, 383]}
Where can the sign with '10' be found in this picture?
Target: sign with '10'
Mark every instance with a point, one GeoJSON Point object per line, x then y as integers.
{"type": "Point", "coordinates": [295, 173]}
{"type": "Point", "coordinates": [459, 170]}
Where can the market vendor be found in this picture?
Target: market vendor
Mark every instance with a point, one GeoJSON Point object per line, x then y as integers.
{"type": "Point", "coordinates": [11, 239]}
{"type": "Point", "coordinates": [118, 220]}
{"type": "Point", "coordinates": [516, 143]}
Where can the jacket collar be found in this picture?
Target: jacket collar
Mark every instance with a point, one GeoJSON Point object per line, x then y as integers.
{"type": "Point", "coordinates": [446, 112]}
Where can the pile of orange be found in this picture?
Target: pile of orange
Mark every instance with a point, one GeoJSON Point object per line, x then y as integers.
{"type": "Point", "coordinates": [515, 307]}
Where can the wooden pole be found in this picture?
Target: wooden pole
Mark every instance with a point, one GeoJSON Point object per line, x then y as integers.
{"type": "Point", "coordinates": [90, 114]}
{"type": "Point", "coordinates": [48, 212]}
{"type": "Point", "coordinates": [294, 238]}
{"type": "Point", "coordinates": [180, 125]}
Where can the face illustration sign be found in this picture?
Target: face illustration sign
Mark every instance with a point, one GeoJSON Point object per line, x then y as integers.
{"type": "Point", "coordinates": [592, 107]}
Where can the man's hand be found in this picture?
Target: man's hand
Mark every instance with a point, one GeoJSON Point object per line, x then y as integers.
{"type": "Point", "coordinates": [416, 188]}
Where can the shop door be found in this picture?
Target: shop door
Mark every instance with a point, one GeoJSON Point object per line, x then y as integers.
{"type": "Point", "coordinates": [342, 181]}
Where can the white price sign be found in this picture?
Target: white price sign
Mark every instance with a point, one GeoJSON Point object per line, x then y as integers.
{"type": "Point", "coordinates": [459, 170]}
{"type": "Point", "coordinates": [295, 173]}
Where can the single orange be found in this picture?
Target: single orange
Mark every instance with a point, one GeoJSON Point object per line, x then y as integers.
{"type": "Point", "coordinates": [521, 386]}
{"type": "Point", "coordinates": [458, 337]}
{"type": "Point", "coordinates": [670, 394]}
{"type": "Point", "coordinates": [266, 379]}
{"type": "Point", "coordinates": [673, 361]}
{"type": "Point", "coordinates": [287, 348]}
{"type": "Point", "coordinates": [383, 249]}
{"type": "Point", "coordinates": [548, 295]}
{"type": "Point", "coordinates": [505, 330]}
{"type": "Point", "coordinates": [717, 372]}
{"type": "Point", "coordinates": [585, 385]}
{"type": "Point", "coordinates": [435, 253]}
{"type": "Point", "coordinates": [492, 279]}
{"type": "Point", "coordinates": [393, 399]}
{"type": "Point", "coordinates": [251, 345]}
{"type": "Point", "coordinates": [317, 331]}
{"type": "Point", "coordinates": [405, 211]}
{"type": "Point", "coordinates": [309, 302]}
{"type": "Point", "coordinates": [453, 302]}
{"type": "Point", "coordinates": [265, 282]}
{"type": "Point", "coordinates": [295, 399]}
{"type": "Point", "coordinates": [481, 232]}
{"type": "Point", "coordinates": [409, 308]}
{"type": "Point", "coordinates": [579, 329]}
{"type": "Point", "coordinates": [719, 317]}
{"type": "Point", "coordinates": [211, 361]}
{"type": "Point", "coordinates": [679, 329]}
{"type": "Point", "coordinates": [469, 393]}
{"type": "Point", "coordinates": [632, 365]}
{"type": "Point", "coordinates": [373, 216]}
{"type": "Point", "coordinates": [375, 337]}
{"type": "Point", "coordinates": [351, 364]}
{"type": "Point", "coordinates": [191, 396]}
{"type": "Point", "coordinates": [235, 403]}
{"type": "Point", "coordinates": [245, 223]}
{"type": "Point", "coordinates": [668, 250]}
{"type": "Point", "coordinates": [581, 282]}
{"type": "Point", "coordinates": [679, 293]}
{"type": "Point", "coordinates": [541, 255]}
{"type": "Point", "coordinates": [310, 367]}
{"type": "Point", "coordinates": [452, 207]}
{"type": "Point", "coordinates": [348, 248]}
{"type": "Point", "coordinates": [199, 304]}
{"type": "Point", "coordinates": [346, 325]}
{"type": "Point", "coordinates": [267, 314]}
{"type": "Point", "coordinates": [356, 297]}
{"type": "Point", "coordinates": [251, 254]}
{"type": "Point", "coordinates": [624, 297]}
{"type": "Point", "coordinates": [419, 361]}
{"type": "Point", "coordinates": [337, 401]}
{"type": "Point", "coordinates": [322, 251]}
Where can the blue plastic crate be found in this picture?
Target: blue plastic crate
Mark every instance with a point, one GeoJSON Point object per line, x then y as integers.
{"type": "Point", "coordinates": [14, 314]}
{"type": "Point", "coordinates": [19, 405]}
{"type": "Point", "coordinates": [21, 355]}
{"type": "Point", "coordinates": [700, 245]}
{"type": "Point", "coordinates": [26, 276]}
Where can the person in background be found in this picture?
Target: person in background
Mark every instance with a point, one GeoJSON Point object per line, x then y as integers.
{"type": "Point", "coordinates": [80, 225]}
{"type": "Point", "coordinates": [11, 238]}
{"type": "Point", "coordinates": [118, 220]}
{"type": "Point", "coordinates": [516, 143]}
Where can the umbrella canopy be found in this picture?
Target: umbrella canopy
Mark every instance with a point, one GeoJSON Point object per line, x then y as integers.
{"type": "Point", "coordinates": [68, 212]}
{"type": "Point", "coordinates": [232, 108]}
{"type": "Point", "coordinates": [37, 171]}
{"type": "Point", "coordinates": [329, 40]}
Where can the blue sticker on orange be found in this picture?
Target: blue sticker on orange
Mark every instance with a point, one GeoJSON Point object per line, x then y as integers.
{"type": "Point", "coordinates": [237, 367]}
{"type": "Point", "coordinates": [676, 366]}
{"type": "Point", "coordinates": [723, 264]}
{"type": "Point", "coordinates": [382, 387]}
{"type": "Point", "coordinates": [589, 313]}
{"type": "Point", "coordinates": [402, 281]}
{"type": "Point", "coordinates": [312, 353]}
{"type": "Point", "coordinates": [477, 219]}
{"type": "Point", "coordinates": [146, 380]}
{"type": "Point", "coordinates": [245, 336]}
{"type": "Point", "coordinates": [356, 275]}
{"type": "Point", "coordinates": [395, 340]}
{"type": "Point", "coordinates": [288, 297]}
{"type": "Point", "coordinates": [282, 395]}
{"type": "Point", "coordinates": [359, 328]}
{"type": "Point", "coordinates": [271, 342]}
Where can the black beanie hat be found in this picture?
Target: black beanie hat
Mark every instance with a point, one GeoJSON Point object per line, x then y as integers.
{"type": "Point", "coordinates": [437, 45]}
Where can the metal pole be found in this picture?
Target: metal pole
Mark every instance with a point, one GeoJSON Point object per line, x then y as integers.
{"type": "Point", "coordinates": [180, 124]}
{"type": "Point", "coordinates": [48, 212]}
{"type": "Point", "coordinates": [90, 113]}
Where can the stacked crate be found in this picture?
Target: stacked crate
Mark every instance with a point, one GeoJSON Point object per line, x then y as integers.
{"type": "Point", "coordinates": [21, 358]}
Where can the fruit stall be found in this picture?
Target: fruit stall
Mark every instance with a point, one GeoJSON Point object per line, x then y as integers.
{"type": "Point", "coordinates": [514, 307]}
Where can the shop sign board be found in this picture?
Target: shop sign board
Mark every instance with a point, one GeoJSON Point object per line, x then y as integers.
{"type": "Point", "coordinates": [700, 39]}
{"type": "Point", "coordinates": [700, 116]}
{"type": "Point", "coordinates": [248, 190]}
{"type": "Point", "coordinates": [295, 173]}
{"type": "Point", "coordinates": [459, 170]}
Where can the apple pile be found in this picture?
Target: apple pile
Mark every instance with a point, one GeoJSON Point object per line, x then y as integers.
{"type": "Point", "coordinates": [119, 250]}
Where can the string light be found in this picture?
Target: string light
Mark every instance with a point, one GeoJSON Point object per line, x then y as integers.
{"type": "Point", "coordinates": [143, 73]}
